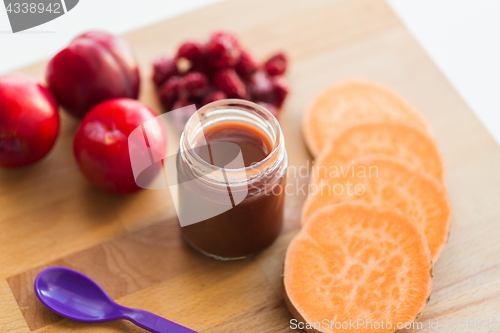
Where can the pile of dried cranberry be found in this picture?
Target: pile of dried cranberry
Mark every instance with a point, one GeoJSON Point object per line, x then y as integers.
{"type": "Point", "coordinates": [201, 73]}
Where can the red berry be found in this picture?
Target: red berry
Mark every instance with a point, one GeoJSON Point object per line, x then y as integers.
{"type": "Point", "coordinates": [196, 84]}
{"type": "Point", "coordinates": [223, 50]}
{"type": "Point", "coordinates": [230, 83]}
{"type": "Point", "coordinates": [214, 96]}
{"type": "Point", "coordinates": [280, 89]}
{"type": "Point", "coordinates": [195, 53]}
{"type": "Point", "coordinates": [261, 87]}
{"type": "Point", "coordinates": [192, 51]}
{"type": "Point", "coordinates": [271, 108]}
{"type": "Point", "coordinates": [163, 69]}
{"type": "Point", "coordinates": [276, 65]}
{"type": "Point", "coordinates": [171, 91]}
{"type": "Point", "coordinates": [205, 66]}
{"type": "Point", "coordinates": [247, 65]}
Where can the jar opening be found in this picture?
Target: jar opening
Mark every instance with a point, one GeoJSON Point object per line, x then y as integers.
{"type": "Point", "coordinates": [238, 114]}
{"type": "Point", "coordinates": [230, 112]}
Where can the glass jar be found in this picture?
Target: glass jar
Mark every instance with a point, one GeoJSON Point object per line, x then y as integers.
{"type": "Point", "coordinates": [235, 209]}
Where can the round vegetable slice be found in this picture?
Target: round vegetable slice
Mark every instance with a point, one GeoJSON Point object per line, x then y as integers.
{"type": "Point", "coordinates": [393, 138]}
{"type": "Point", "coordinates": [353, 100]}
{"type": "Point", "coordinates": [357, 263]}
{"type": "Point", "coordinates": [393, 183]}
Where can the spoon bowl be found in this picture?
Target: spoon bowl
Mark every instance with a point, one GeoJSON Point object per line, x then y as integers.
{"type": "Point", "coordinates": [75, 296]}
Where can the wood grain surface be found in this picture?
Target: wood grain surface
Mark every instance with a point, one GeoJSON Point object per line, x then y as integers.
{"type": "Point", "coordinates": [49, 214]}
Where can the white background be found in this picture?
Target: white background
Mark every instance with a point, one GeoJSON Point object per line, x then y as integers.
{"type": "Point", "coordinates": [115, 16]}
{"type": "Point", "coordinates": [461, 36]}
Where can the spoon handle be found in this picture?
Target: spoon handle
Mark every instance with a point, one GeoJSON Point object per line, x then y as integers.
{"type": "Point", "coordinates": [154, 323]}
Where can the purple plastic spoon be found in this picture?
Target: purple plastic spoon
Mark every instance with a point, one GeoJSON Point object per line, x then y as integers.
{"type": "Point", "coordinates": [75, 296]}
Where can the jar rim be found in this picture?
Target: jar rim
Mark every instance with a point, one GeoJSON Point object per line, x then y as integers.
{"type": "Point", "coordinates": [237, 104]}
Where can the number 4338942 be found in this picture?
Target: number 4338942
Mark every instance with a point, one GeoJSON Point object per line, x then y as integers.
{"type": "Point", "coordinates": [33, 7]}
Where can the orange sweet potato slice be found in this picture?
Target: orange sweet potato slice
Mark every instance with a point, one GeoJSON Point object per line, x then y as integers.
{"type": "Point", "coordinates": [391, 138]}
{"type": "Point", "coordinates": [389, 182]}
{"type": "Point", "coordinates": [357, 262]}
{"type": "Point", "coordinates": [353, 100]}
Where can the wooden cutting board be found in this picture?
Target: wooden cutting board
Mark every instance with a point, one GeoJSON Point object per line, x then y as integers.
{"type": "Point", "coordinates": [49, 215]}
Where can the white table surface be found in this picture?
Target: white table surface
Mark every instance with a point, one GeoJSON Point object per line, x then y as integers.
{"type": "Point", "coordinates": [461, 36]}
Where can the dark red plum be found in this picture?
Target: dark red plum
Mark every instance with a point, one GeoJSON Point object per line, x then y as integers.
{"type": "Point", "coordinates": [101, 143]}
{"type": "Point", "coordinates": [94, 67]}
{"type": "Point", "coordinates": [29, 121]}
